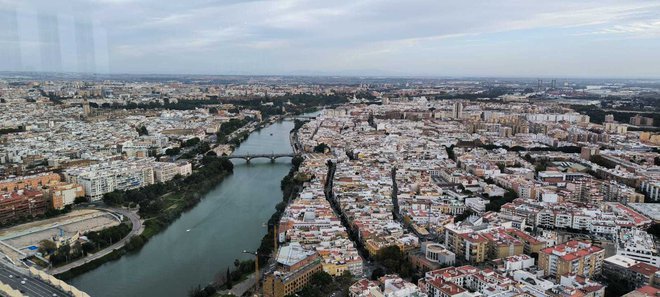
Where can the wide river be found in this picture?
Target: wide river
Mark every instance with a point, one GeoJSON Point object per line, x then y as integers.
{"type": "Point", "coordinates": [227, 221]}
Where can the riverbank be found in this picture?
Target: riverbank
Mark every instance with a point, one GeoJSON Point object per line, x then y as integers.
{"type": "Point", "coordinates": [160, 205]}
{"type": "Point", "coordinates": [205, 240]}
{"type": "Point", "coordinates": [174, 199]}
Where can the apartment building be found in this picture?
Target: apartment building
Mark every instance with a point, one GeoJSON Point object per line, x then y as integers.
{"type": "Point", "coordinates": [387, 286]}
{"type": "Point", "coordinates": [100, 179]}
{"type": "Point", "coordinates": [461, 281]}
{"type": "Point", "coordinates": [573, 257]}
{"type": "Point", "coordinates": [652, 189]}
{"type": "Point", "coordinates": [63, 194]}
{"type": "Point", "coordinates": [164, 171]}
{"type": "Point", "coordinates": [20, 204]}
{"type": "Point", "coordinates": [28, 182]}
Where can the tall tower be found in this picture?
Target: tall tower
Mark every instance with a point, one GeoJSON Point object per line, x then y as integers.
{"type": "Point", "coordinates": [86, 109]}
{"type": "Point", "coordinates": [457, 110]}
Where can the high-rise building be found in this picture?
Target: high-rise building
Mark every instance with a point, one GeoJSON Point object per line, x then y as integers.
{"type": "Point", "coordinates": [639, 120]}
{"type": "Point", "coordinates": [586, 152]}
{"type": "Point", "coordinates": [457, 110]}
{"type": "Point", "coordinates": [86, 108]}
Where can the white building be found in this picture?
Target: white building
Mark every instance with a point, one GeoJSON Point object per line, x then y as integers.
{"type": "Point", "coordinates": [100, 179]}
{"type": "Point", "coordinates": [637, 245]}
{"type": "Point", "coordinates": [164, 171]}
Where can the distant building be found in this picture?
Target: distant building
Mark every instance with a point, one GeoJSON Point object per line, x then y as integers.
{"type": "Point", "coordinates": [639, 120]}
{"type": "Point", "coordinates": [586, 152]}
{"type": "Point", "coordinates": [609, 118]}
{"type": "Point", "coordinates": [86, 108]}
{"type": "Point", "coordinates": [457, 110]}
{"type": "Point", "coordinates": [652, 189]}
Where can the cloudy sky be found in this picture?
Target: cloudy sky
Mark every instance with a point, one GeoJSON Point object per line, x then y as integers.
{"type": "Point", "coordinates": [558, 38]}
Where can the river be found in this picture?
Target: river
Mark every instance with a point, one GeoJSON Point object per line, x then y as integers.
{"type": "Point", "coordinates": [227, 221]}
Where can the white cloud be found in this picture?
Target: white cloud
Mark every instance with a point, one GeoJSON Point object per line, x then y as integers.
{"type": "Point", "coordinates": [374, 34]}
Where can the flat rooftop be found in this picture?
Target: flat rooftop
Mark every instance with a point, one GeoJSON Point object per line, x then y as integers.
{"type": "Point", "coordinates": [651, 210]}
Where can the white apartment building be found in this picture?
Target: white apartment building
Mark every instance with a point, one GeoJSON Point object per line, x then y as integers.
{"type": "Point", "coordinates": [637, 245]}
{"type": "Point", "coordinates": [100, 179]}
{"type": "Point", "coordinates": [652, 188]}
{"type": "Point", "coordinates": [164, 171]}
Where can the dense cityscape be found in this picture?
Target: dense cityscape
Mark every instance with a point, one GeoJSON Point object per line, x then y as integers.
{"type": "Point", "coordinates": [395, 186]}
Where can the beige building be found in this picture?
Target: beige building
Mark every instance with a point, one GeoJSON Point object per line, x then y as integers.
{"type": "Point", "coordinates": [295, 266]}
{"type": "Point", "coordinates": [63, 194]}
{"type": "Point", "coordinates": [573, 257]}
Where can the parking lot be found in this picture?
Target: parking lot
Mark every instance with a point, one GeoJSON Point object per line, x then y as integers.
{"type": "Point", "coordinates": [30, 234]}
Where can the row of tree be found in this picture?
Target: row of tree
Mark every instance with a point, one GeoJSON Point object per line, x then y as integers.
{"type": "Point", "coordinates": [152, 201]}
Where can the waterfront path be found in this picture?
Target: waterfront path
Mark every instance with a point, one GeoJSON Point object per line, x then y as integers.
{"type": "Point", "coordinates": [137, 228]}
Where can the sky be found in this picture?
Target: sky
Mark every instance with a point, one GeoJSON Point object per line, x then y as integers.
{"type": "Point", "coordinates": [490, 38]}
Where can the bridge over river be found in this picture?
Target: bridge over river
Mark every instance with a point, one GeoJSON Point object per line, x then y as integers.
{"type": "Point", "coordinates": [272, 157]}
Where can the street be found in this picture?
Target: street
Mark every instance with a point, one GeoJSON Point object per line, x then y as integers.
{"type": "Point", "coordinates": [33, 287]}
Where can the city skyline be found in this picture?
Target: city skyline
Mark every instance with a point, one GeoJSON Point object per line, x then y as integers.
{"type": "Point", "coordinates": [595, 39]}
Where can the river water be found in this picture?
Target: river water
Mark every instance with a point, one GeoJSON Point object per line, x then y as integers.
{"type": "Point", "coordinates": [227, 221]}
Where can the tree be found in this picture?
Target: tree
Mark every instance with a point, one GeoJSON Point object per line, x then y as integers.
{"type": "Point", "coordinates": [496, 204]}
{"type": "Point", "coordinates": [79, 200]}
{"type": "Point", "coordinates": [654, 230]}
{"type": "Point", "coordinates": [377, 273]}
{"type": "Point", "coordinates": [450, 152]}
{"type": "Point", "coordinates": [466, 214]}
{"type": "Point", "coordinates": [321, 148]}
{"type": "Point", "coordinates": [142, 130]}
{"type": "Point", "coordinates": [47, 247]}
{"type": "Point", "coordinates": [394, 261]}
{"type": "Point", "coordinates": [320, 279]}
{"type": "Point", "coordinates": [190, 142]}
{"type": "Point", "coordinates": [228, 284]}
{"type": "Point", "coordinates": [172, 151]}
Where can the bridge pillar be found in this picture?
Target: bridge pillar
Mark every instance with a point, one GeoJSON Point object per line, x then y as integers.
{"type": "Point", "coordinates": [272, 159]}
{"type": "Point", "coordinates": [247, 160]}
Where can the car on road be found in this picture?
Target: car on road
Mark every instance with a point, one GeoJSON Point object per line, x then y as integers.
{"type": "Point", "coordinates": [23, 282]}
